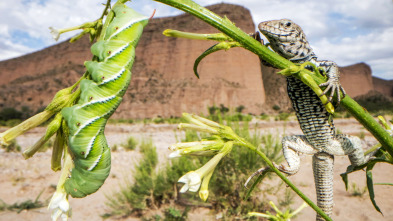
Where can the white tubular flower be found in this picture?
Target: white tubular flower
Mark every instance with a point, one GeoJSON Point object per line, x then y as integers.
{"type": "Point", "coordinates": [60, 206]}
{"type": "Point", "coordinates": [192, 180]}
{"type": "Point", "coordinates": [175, 154]}
{"type": "Point", "coordinates": [55, 33]}
{"type": "Point", "coordinates": [199, 148]}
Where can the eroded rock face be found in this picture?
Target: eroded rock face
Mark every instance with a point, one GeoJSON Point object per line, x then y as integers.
{"type": "Point", "coordinates": [163, 82]}
{"type": "Point", "coordinates": [385, 87]}
{"type": "Point", "coordinates": [356, 79]}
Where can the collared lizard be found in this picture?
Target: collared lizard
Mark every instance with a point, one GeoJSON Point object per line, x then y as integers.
{"type": "Point", "coordinates": [319, 139]}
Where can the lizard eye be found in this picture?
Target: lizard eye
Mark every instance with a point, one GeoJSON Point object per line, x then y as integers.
{"type": "Point", "coordinates": [288, 24]}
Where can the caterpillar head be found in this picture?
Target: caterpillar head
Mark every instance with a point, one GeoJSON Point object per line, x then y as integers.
{"type": "Point", "coordinates": [286, 38]}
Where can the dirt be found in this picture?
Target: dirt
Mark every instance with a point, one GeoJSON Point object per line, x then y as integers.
{"type": "Point", "coordinates": [21, 179]}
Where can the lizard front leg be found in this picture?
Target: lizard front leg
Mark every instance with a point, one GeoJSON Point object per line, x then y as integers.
{"type": "Point", "coordinates": [333, 83]}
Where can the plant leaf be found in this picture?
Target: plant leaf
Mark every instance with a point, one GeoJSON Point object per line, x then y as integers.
{"type": "Point", "coordinates": [370, 186]}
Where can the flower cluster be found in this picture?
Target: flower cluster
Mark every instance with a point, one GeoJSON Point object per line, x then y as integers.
{"type": "Point", "coordinates": [219, 144]}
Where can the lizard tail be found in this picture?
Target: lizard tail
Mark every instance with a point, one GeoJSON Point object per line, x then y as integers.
{"type": "Point", "coordinates": [323, 178]}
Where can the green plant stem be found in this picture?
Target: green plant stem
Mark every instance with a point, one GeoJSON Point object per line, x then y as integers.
{"type": "Point", "coordinates": [244, 143]}
{"type": "Point", "coordinates": [195, 36]}
{"type": "Point", "coordinates": [229, 29]}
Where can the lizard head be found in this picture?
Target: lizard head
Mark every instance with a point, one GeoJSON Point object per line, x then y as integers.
{"type": "Point", "coordinates": [286, 38]}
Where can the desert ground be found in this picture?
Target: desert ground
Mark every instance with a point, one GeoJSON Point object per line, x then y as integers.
{"type": "Point", "coordinates": [21, 179]}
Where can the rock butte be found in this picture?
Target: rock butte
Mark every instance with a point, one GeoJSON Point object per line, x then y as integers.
{"type": "Point", "coordinates": [163, 83]}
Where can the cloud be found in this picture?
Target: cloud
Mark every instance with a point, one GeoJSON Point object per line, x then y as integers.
{"type": "Point", "coordinates": [345, 31]}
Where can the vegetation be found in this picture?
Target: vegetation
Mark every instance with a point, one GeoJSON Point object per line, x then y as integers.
{"type": "Point", "coordinates": [12, 147]}
{"type": "Point", "coordinates": [355, 190]}
{"type": "Point", "coordinates": [25, 205]}
{"type": "Point", "coordinates": [131, 144]}
{"type": "Point", "coordinates": [154, 187]}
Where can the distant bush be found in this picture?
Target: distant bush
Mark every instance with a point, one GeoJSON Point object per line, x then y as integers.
{"type": "Point", "coordinates": [12, 147]}
{"type": "Point", "coordinates": [158, 120]}
{"type": "Point", "coordinates": [9, 113]}
{"type": "Point", "coordinates": [240, 108]}
{"type": "Point", "coordinates": [375, 102]}
{"type": "Point", "coordinates": [131, 144]}
{"type": "Point", "coordinates": [283, 116]}
{"type": "Point", "coordinates": [276, 107]}
{"type": "Point", "coordinates": [10, 123]}
{"type": "Point", "coordinates": [264, 116]}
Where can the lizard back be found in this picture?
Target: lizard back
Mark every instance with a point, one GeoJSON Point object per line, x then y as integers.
{"type": "Point", "coordinates": [288, 40]}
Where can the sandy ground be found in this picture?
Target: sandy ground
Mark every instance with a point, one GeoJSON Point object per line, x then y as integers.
{"type": "Point", "coordinates": [24, 179]}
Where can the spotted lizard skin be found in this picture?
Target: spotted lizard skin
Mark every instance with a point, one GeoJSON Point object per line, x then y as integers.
{"type": "Point", "coordinates": [319, 139]}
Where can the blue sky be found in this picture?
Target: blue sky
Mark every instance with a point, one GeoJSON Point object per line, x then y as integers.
{"type": "Point", "coordinates": [347, 32]}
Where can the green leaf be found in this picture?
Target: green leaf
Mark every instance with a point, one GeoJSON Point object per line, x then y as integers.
{"type": "Point", "coordinates": [344, 176]}
{"type": "Point", "coordinates": [217, 47]}
{"type": "Point", "coordinates": [370, 186]}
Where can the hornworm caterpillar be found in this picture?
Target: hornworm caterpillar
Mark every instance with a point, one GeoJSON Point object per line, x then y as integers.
{"type": "Point", "coordinates": [100, 96]}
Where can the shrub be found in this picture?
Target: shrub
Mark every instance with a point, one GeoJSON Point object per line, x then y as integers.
{"type": "Point", "coordinates": [12, 147]}
{"type": "Point", "coordinates": [9, 113]}
{"type": "Point", "coordinates": [131, 144]}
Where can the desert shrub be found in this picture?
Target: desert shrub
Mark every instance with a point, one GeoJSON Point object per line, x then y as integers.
{"type": "Point", "coordinates": [12, 147]}
{"type": "Point", "coordinates": [131, 144]}
{"type": "Point", "coordinates": [264, 116]}
{"type": "Point", "coordinates": [276, 107]}
{"type": "Point", "coordinates": [283, 116]}
{"type": "Point", "coordinates": [240, 108]}
{"type": "Point", "coordinates": [9, 113]}
{"type": "Point", "coordinates": [158, 120]}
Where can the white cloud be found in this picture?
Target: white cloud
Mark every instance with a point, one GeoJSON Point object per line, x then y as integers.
{"type": "Point", "coordinates": [345, 31]}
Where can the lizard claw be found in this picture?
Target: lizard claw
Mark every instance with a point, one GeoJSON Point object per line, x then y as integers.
{"type": "Point", "coordinates": [333, 86]}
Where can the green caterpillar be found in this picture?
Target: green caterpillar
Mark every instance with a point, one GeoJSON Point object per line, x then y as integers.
{"type": "Point", "coordinates": [100, 96]}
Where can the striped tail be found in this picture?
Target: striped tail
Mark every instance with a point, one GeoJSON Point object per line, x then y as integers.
{"type": "Point", "coordinates": [323, 178]}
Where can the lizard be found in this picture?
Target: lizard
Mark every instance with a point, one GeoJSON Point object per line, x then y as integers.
{"type": "Point", "coordinates": [320, 140]}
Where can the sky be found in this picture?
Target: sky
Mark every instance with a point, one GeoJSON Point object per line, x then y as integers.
{"type": "Point", "coordinates": [346, 32]}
